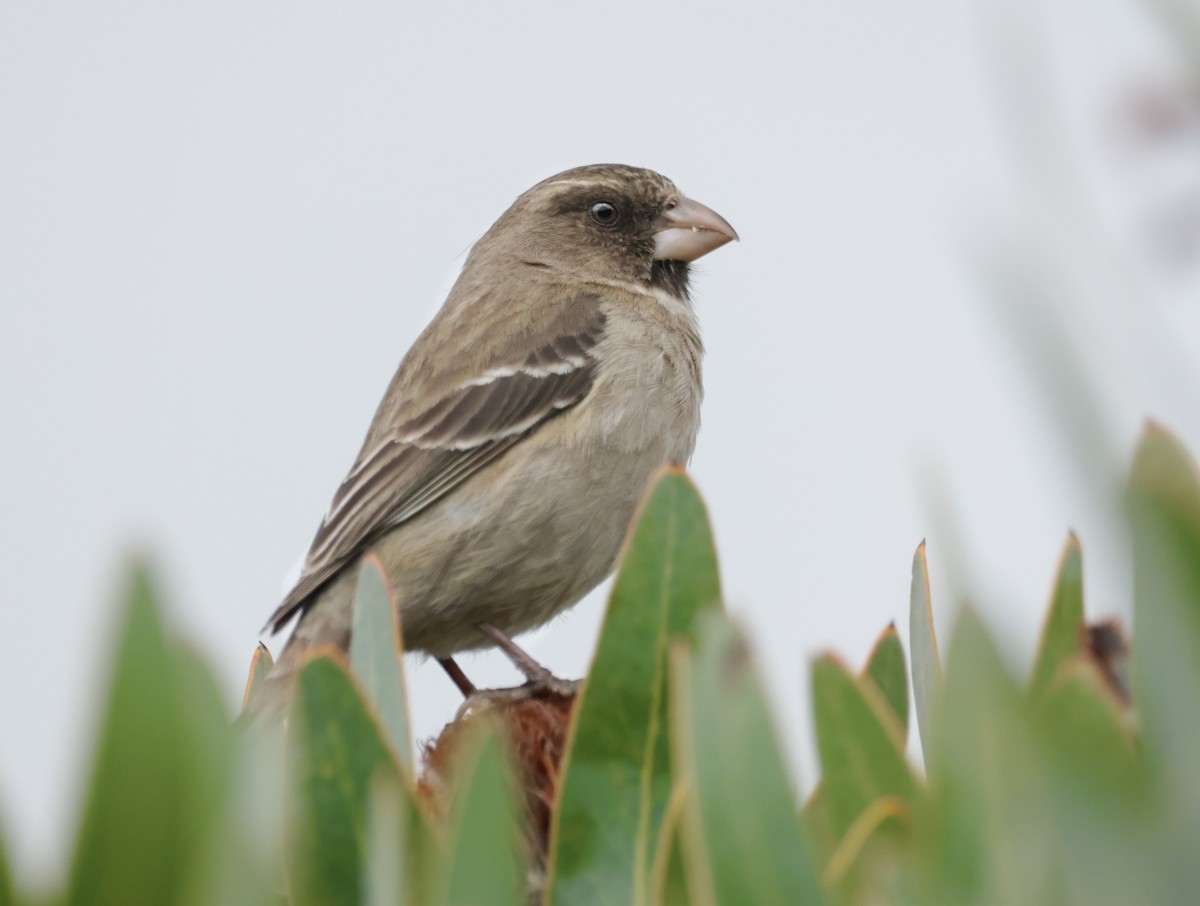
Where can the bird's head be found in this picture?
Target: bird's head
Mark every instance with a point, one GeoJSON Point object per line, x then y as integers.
{"type": "Point", "coordinates": [609, 221]}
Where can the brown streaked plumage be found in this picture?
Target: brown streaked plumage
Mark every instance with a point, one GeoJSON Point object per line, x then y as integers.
{"type": "Point", "coordinates": [508, 454]}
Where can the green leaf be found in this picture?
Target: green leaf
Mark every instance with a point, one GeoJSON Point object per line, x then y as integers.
{"type": "Point", "coordinates": [668, 882]}
{"type": "Point", "coordinates": [243, 862]}
{"type": "Point", "coordinates": [387, 845]}
{"type": "Point", "coordinates": [376, 654]}
{"type": "Point", "coordinates": [156, 782]}
{"type": "Point", "coordinates": [1111, 851]}
{"type": "Point", "coordinates": [1165, 509]}
{"type": "Point", "coordinates": [260, 667]}
{"type": "Point", "coordinates": [8, 896]}
{"type": "Point", "coordinates": [743, 842]}
{"type": "Point", "coordinates": [887, 673]}
{"type": "Point", "coordinates": [818, 827]}
{"type": "Point", "coordinates": [617, 768]}
{"type": "Point", "coordinates": [1064, 620]}
{"type": "Point", "coordinates": [859, 742]}
{"type": "Point", "coordinates": [843, 870]}
{"type": "Point", "coordinates": [337, 751]}
{"type": "Point", "coordinates": [926, 665]}
{"type": "Point", "coordinates": [992, 834]}
{"type": "Point", "coordinates": [1083, 724]}
{"type": "Point", "coordinates": [885, 667]}
{"type": "Point", "coordinates": [208, 743]}
{"type": "Point", "coordinates": [487, 864]}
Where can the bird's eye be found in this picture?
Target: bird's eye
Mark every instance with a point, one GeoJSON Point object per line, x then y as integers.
{"type": "Point", "coordinates": [605, 213]}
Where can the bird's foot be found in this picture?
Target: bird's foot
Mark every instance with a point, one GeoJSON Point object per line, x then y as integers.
{"type": "Point", "coordinates": [546, 688]}
{"type": "Point", "coordinates": [541, 683]}
{"type": "Point", "coordinates": [545, 684]}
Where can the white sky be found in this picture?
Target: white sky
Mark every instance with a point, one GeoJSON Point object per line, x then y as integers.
{"type": "Point", "coordinates": [221, 227]}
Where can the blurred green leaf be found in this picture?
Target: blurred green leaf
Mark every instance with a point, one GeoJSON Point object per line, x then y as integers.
{"type": "Point", "coordinates": [818, 827]}
{"type": "Point", "coordinates": [859, 743]}
{"type": "Point", "coordinates": [926, 665]}
{"type": "Point", "coordinates": [260, 667]}
{"type": "Point", "coordinates": [1064, 620]}
{"type": "Point", "coordinates": [387, 845]}
{"type": "Point", "coordinates": [617, 769]}
{"type": "Point", "coordinates": [886, 668]}
{"type": "Point", "coordinates": [1164, 502]}
{"type": "Point", "coordinates": [376, 654]}
{"type": "Point", "coordinates": [1165, 508]}
{"type": "Point", "coordinates": [206, 728]}
{"type": "Point", "coordinates": [1084, 726]}
{"type": "Point", "coordinates": [1114, 848]}
{"type": "Point", "coordinates": [243, 858]}
{"type": "Point", "coordinates": [159, 768]}
{"type": "Point", "coordinates": [886, 673]}
{"type": "Point", "coordinates": [992, 834]}
{"type": "Point", "coordinates": [668, 882]}
{"type": "Point", "coordinates": [487, 861]}
{"type": "Point", "coordinates": [8, 896]}
{"type": "Point", "coordinates": [882, 814]}
{"type": "Point", "coordinates": [742, 840]}
{"type": "Point", "coordinates": [337, 751]}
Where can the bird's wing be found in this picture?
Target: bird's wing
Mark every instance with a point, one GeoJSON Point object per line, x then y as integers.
{"type": "Point", "coordinates": [431, 450]}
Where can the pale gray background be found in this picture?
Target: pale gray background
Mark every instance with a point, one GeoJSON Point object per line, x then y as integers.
{"type": "Point", "coordinates": [221, 226]}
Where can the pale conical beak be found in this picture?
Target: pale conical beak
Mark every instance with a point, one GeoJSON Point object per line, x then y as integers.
{"type": "Point", "coordinates": [688, 229]}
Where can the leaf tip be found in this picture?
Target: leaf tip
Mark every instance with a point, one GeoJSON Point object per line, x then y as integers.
{"type": "Point", "coordinates": [261, 663]}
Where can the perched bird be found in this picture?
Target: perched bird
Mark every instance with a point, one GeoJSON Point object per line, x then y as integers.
{"type": "Point", "coordinates": [511, 448]}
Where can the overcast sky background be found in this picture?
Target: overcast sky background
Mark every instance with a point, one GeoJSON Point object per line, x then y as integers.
{"type": "Point", "coordinates": [222, 226]}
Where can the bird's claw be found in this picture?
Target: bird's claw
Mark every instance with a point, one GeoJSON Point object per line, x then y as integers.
{"type": "Point", "coordinates": [541, 687]}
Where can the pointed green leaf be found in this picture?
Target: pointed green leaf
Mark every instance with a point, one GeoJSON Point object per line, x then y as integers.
{"type": "Point", "coordinates": [1165, 509]}
{"type": "Point", "coordinates": [260, 667]}
{"type": "Point", "coordinates": [886, 671]}
{"type": "Point", "coordinates": [617, 774]}
{"type": "Point", "coordinates": [151, 800]}
{"type": "Point", "coordinates": [1064, 620]}
{"type": "Point", "coordinates": [886, 668]}
{"type": "Point", "coordinates": [859, 743]}
{"type": "Point", "coordinates": [337, 751]}
{"type": "Point", "coordinates": [487, 860]}
{"type": "Point", "coordinates": [742, 843]}
{"type": "Point", "coordinates": [376, 654]}
{"type": "Point", "coordinates": [926, 665]}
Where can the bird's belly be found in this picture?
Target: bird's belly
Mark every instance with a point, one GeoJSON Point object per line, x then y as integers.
{"type": "Point", "coordinates": [517, 549]}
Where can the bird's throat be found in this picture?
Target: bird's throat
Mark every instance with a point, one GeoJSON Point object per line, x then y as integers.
{"type": "Point", "coordinates": [671, 276]}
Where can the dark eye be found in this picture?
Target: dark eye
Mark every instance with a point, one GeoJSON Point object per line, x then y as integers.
{"type": "Point", "coordinates": [604, 213]}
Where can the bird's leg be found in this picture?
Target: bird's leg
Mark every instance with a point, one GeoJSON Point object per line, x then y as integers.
{"type": "Point", "coordinates": [455, 672]}
{"type": "Point", "coordinates": [540, 679]}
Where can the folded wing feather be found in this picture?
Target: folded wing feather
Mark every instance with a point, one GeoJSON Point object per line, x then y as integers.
{"type": "Point", "coordinates": [436, 449]}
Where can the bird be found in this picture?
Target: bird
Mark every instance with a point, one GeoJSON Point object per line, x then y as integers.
{"type": "Point", "coordinates": [509, 453]}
